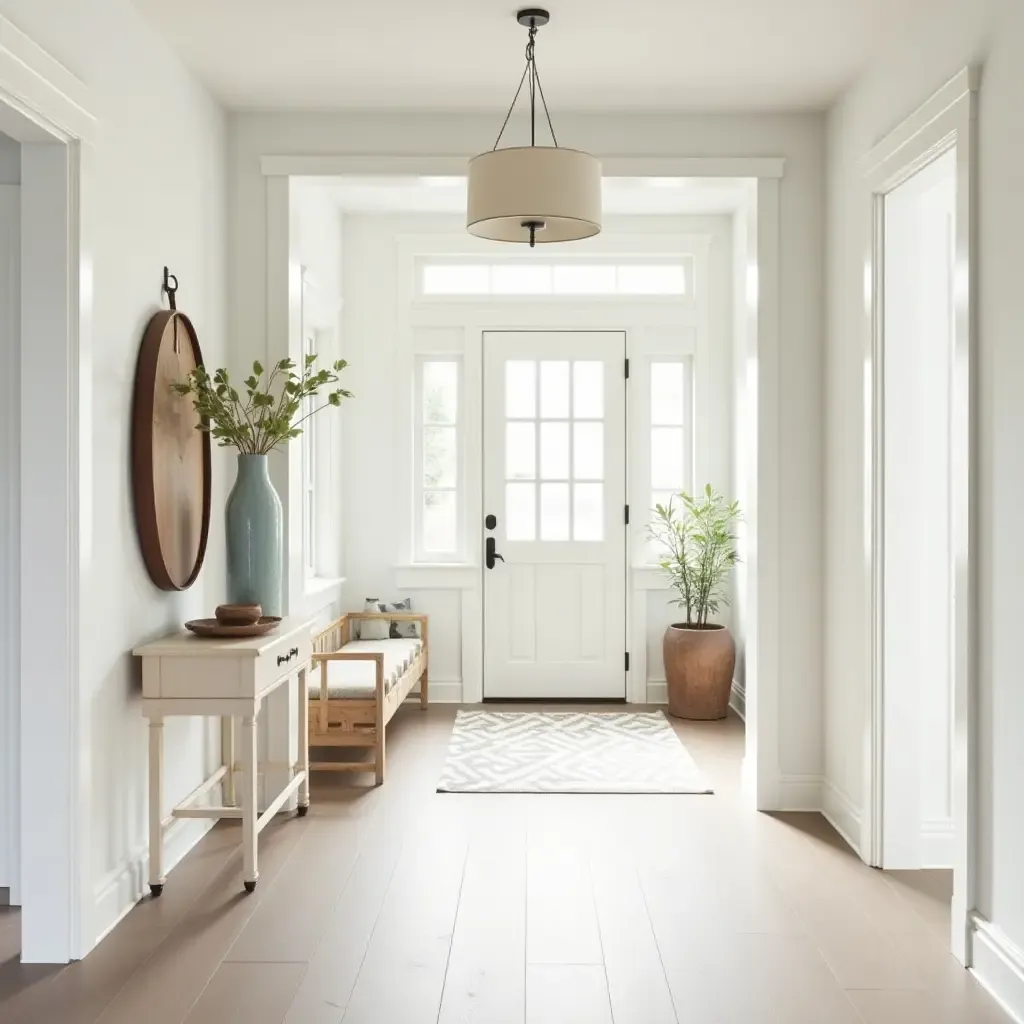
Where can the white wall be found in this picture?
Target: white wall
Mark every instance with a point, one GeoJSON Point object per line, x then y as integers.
{"type": "Point", "coordinates": [160, 181]}
{"type": "Point", "coordinates": [798, 138]}
{"type": "Point", "coordinates": [952, 34]}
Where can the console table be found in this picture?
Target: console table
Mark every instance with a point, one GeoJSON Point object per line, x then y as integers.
{"type": "Point", "coordinates": [183, 674]}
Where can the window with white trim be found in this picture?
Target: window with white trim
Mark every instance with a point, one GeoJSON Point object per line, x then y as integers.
{"type": "Point", "coordinates": [651, 276]}
{"type": "Point", "coordinates": [671, 429]}
{"type": "Point", "coordinates": [309, 465]}
{"type": "Point", "coordinates": [439, 471]}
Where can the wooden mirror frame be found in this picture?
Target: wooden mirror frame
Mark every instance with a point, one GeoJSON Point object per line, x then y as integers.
{"type": "Point", "coordinates": [162, 329]}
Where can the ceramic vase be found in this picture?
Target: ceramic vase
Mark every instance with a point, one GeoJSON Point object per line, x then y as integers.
{"type": "Point", "coordinates": [255, 537]}
{"type": "Point", "coordinates": [699, 664]}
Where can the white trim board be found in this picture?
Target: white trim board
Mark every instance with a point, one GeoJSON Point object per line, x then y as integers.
{"type": "Point", "coordinates": [944, 122]}
{"type": "Point", "coordinates": [998, 964]}
{"type": "Point", "coordinates": [58, 903]}
{"type": "Point", "coordinates": [761, 352]}
{"type": "Point", "coordinates": [335, 164]}
{"type": "Point", "coordinates": [842, 814]}
{"type": "Point", "coordinates": [122, 888]}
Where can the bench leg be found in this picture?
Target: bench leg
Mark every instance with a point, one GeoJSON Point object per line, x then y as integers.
{"type": "Point", "coordinates": [378, 752]}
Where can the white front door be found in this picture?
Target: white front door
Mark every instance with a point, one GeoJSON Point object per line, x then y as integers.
{"type": "Point", "coordinates": [554, 507]}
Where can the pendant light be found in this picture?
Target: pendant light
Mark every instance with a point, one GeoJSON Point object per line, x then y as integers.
{"type": "Point", "coordinates": [533, 193]}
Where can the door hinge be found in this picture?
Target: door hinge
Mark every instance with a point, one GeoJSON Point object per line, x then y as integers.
{"type": "Point", "coordinates": [627, 515]}
{"type": "Point", "coordinates": [627, 369]}
{"type": "Point", "coordinates": [627, 661]}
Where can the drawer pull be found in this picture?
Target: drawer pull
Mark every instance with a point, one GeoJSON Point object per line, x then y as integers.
{"type": "Point", "coordinates": [282, 658]}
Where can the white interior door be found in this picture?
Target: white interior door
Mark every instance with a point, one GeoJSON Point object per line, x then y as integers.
{"type": "Point", "coordinates": [555, 485]}
{"type": "Point", "coordinates": [917, 563]}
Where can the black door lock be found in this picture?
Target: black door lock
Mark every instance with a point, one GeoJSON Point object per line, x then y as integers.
{"type": "Point", "coordinates": [492, 555]}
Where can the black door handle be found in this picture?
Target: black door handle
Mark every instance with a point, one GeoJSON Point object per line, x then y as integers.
{"type": "Point", "coordinates": [492, 555]}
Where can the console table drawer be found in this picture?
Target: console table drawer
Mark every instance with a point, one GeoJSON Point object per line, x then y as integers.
{"type": "Point", "coordinates": [283, 658]}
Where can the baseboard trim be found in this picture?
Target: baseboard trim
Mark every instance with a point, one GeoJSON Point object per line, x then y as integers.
{"type": "Point", "coordinates": [122, 888]}
{"type": "Point", "coordinates": [800, 792]}
{"type": "Point", "coordinates": [842, 814]}
{"type": "Point", "coordinates": [441, 691]}
{"type": "Point", "coordinates": [657, 691]}
{"type": "Point", "coordinates": [998, 964]}
{"type": "Point", "coordinates": [738, 700]}
{"type": "Point", "coordinates": [938, 843]}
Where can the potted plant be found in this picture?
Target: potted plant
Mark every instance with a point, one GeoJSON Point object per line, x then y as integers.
{"type": "Point", "coordinates": [698, 545]}
{"type": "Point", "coordinates": [262, 421]}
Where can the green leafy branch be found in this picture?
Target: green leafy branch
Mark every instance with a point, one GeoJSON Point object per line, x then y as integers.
{"type": "Point", "coordinates": [699, 550]}
{"type": "Point", "coordinates": [266, 417]}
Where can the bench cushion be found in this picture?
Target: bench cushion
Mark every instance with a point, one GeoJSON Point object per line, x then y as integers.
{"type": "Point", "coordinates": [357, 679]}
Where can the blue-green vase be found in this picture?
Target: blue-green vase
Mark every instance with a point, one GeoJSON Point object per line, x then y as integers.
{"type": "Point", "coordinates": [255, 537]}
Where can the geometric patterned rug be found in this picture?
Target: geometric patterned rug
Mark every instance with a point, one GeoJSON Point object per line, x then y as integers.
{"type": "Point", "coordinates": [567, 752]}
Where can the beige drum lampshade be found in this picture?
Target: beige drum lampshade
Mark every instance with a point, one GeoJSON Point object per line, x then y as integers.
{"type": "Point", "coordinates": [544, 185]}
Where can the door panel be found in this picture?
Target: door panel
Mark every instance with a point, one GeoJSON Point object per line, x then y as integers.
{"type": "Point", "coordinates": [555, 480]}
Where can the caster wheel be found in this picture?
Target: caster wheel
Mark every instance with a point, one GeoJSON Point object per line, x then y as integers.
{"type": "Point", "coordinates": [155, 890]}
{"type": "Point", "coordinates": [303, 811]}
{"type": "Point", "coordinates": [249, 886]}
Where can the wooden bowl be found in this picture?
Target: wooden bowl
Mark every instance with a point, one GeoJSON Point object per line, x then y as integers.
{"type": "Point", "coordinates": [238, 614]}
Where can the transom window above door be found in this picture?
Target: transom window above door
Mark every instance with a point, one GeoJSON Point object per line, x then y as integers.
{"type": "Point", "coordinates": [554, 450]}
{"type": "Point", "coordinates": [454, 277]}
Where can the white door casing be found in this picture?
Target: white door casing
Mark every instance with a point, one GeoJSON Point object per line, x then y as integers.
{"type": "Point", "coordinates": [944, 122]}
{"type": "Point", "coordinates": [10, 560]}
{"type": "Point", "coordinates": [555, 479]}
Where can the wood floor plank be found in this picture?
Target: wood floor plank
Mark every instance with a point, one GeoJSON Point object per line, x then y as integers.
{"type": "Point", "coordinates": [753, 916]}
{"type": "Point", "coordinates": [566, 994]}
{"type": "Point", "coordinates": [79, 993]}
{"type": "Point", "coordinates": [485, 981]}
{"type": "Point", "coordinates": [402, 975]}
{"type": "Point", "coordinates": [561, 922]}
{"type": "Point", "coordinates": [637, 985]}
{"type": "Point", "coordinates": [289, 922]}
{"type": "Point", "coordinates": [174, 977]}
{"type": "Point", "coordinates": [247, 993]}
{"type": "Point", "coordinates": [324, 992]}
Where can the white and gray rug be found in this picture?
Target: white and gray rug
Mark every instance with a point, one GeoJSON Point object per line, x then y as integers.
{"type": "Point", "coordinates": [567, 752]}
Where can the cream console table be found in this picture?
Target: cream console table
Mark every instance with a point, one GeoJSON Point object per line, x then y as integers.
{"type": "Point", "coordinates": [185, 675]}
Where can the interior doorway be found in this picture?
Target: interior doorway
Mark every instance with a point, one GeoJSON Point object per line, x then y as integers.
{"type": "Point", "coordinates": [554, 484]}
{"type": "Point", "coordinates": [917, 554]}
{"type": "Point", "coordinates": [921, 776]}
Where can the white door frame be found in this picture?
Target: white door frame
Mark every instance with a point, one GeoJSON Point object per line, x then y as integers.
{"type": "Point", "coordinates": [763, 512]}
{"type": "Point", "coordinates": [47, 109]}
{"type": "Point", "coordinates": [946, 121]}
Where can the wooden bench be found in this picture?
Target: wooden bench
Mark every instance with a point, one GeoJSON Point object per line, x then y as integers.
{"type": "Point", "coordinates": [362, 683]}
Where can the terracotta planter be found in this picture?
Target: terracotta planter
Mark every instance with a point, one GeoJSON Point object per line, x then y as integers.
{"type": "Point", "coordinates": [698, 666]}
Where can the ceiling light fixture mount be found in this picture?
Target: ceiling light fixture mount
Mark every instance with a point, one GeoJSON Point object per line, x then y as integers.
{"type": "Point", "coordinates": [533, 193]}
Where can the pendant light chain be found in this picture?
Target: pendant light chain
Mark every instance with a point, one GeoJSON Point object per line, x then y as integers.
{"type": "Point", "coordinates": [530, 71]}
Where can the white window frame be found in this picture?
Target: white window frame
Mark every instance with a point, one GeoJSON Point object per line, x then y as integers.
{"type": "Point", "coordinates": [310, 466]}
{"type": "Point", "coordinates": [635, 259]}
{"type": "Point", "coordinates": [687, 361]}
{"type": "Point", "coordinates": [421, 554]}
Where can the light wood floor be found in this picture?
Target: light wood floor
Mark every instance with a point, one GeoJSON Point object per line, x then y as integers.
{"type": "Point", "coordinates": [399, 906]}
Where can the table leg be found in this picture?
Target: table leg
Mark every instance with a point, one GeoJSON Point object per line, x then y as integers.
{"type": "Point", "coordinates": [250, 871]}
{"type": "Point", "coordinates": [303, 741]}
{"type": "Point", "coordinates": [156, 795]}
{"type": "Point", "coordinates": [227, 757]}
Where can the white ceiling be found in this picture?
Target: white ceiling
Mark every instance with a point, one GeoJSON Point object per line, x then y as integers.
{"type": "Point", "coordinates": [467, 54]}
{"type": "Point", "coordinates": [448, 195]}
